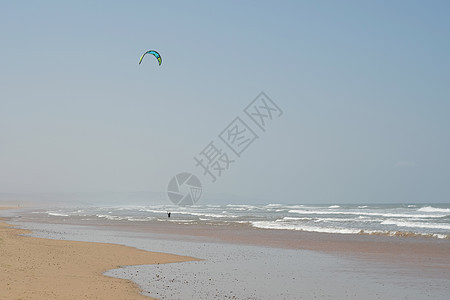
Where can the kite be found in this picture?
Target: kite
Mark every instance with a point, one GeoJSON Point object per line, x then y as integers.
{"type": "Point", "coordinates": [154, 53]}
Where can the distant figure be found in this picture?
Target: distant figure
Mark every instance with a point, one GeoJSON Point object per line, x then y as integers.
{"type": "Point", "coordinates": [168, 214]}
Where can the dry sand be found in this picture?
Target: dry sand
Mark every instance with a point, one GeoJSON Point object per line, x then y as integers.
{"type": "Point", "coordinates": [35, 268]}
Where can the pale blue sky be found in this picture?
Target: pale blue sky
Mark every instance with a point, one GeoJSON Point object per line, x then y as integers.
{"type": "Point", "coordinates": [364, 87]}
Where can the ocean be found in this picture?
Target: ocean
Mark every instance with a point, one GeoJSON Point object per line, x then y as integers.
{"type": "Point", "coordinates": [409, 220]}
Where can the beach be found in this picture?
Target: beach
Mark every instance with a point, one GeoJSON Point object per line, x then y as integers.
{"type": "Point", "coordinates": [37, 268]}
{"type": "Point", "coordinates": [236, 261]}
{"type": "Point", "coordinates": [250, 150]}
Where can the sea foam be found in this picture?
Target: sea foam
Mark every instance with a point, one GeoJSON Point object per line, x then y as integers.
{"type": "Point", "coordinates": [434, 209]}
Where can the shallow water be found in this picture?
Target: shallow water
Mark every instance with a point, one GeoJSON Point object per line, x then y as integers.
{"type": "Point", "coordinates": [253, 272]}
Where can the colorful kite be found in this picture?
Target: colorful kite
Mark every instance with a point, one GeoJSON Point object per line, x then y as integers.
{"type": "Point", "coordinates": [154, 53]}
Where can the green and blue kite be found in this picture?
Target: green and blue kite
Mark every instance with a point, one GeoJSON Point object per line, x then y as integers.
{"type": "Point", "coordinates": [154, 53]}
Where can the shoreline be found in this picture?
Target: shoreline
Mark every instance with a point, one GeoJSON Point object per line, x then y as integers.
{"type": "Point", "coordinates": [253, 263]}
{"type": "Point", "coordinates": [421, 251]}
{"type": "Point", "coordinates": [40, 268]}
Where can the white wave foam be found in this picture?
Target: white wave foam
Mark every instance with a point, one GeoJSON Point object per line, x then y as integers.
{"type": "Point", "coordinates": [434, 209]}
{"type": "Point", "coordinates": [296, 219]}
{"type": "Point", "coordinates": [156, 211]}
{"type": "Point", "coordinates": [239, 208]}
{"type": "Point", "coordinates": [287, 226]}
{"type": "Point", "coordinates": [57, 214]}
{"type": "Point", "coordinates": [416, 224]}
{"type": "Point", "coordinates": [242, 206]}
{"type": "Point", "coordinates": [108, 217]}
{"type": "Point", "coordinates": [363, 206]}
{"type": "Point", "coordinates": [342, 220]}
{"type": "Point", "coordinates": [318, 220]}
{"type": "Point", "coordinates": [198, 214]}
{"type": "Point", "coordinates": [295, 206]}
{"type": "Point", "coordinates": [333, 206]}
{"type": "Point", "coordinates": [389, 215]}
{"type": "Point", "coordinates": [274, 205]}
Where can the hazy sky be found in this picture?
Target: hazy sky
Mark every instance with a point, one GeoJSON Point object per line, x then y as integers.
{"type": "Point", "coordinates": [364, 87]}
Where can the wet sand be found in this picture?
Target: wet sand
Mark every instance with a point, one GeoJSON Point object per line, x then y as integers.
{"type": "Point", "coordinates": [417, 251]}
{"type": "Point", "coordinates": [423, 252]}
{"type": "Point", "coordinates": [36, 268]}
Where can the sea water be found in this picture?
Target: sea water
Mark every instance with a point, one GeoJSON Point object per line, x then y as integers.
{"type": "Point", "coordinates": [432, 220]}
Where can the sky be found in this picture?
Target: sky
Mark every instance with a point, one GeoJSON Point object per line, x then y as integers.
{"type": "Point", "coordinates": [363, 87]}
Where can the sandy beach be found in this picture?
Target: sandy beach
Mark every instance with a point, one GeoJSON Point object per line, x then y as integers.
{"type": "Point", "coordinates": [236, 261]}
{"type": "Point", "coordinates": [36, 268]}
